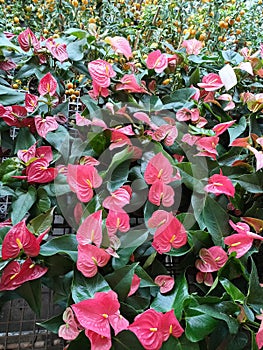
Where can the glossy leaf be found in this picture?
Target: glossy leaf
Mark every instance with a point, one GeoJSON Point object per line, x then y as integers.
{"type": "Point", "coordinates": [66, 244]}
{"type": "Point", "coordinates": [22, 204]}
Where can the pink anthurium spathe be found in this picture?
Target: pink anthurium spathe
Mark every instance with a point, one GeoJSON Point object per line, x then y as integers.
{"type": "Point", "coordinates": [117, 221]}
{"type": "Point", "coordinates": [90, 258]}
{"type": "Point", "coordinates": [45, 125]}
{"type": "Point", "coordinates": [69, 330]}
{"type": "Point", "coordinates": [15, 274]}
{"type": "Point", "coordinates": [31, 102]}
{"type": "Point", "coordinates": [82, 179]}
{"type": "Point", "coordinates": [118, 198]}
{"type": "Point", "coordinates": [211, 259]}
{"type": "Point", "coordinates": [90, 231]}
{"type": "Point", "coordinates": [220, 184]}
{"type": "Point", "coordinates": [170, 236]}
{"type": "Point", "coordinates": [101, 71]}
{"type": "Point", "coordinates": [211, 82]}
{"type": "Point", "coordinates": [192, 46]}
{"type": "Point", "coordinates": [100, 313]}
{"type": "Point", "coordinates": [166, 283]}
{"type": "Point", "coordinates": [171, 326]}
{"type": "Point", "coordinates": [26, 154]}
{"type": "Point", "coordinates": [27, 40]}
{"type": "Point", "coordinates": [59, 51]}
{"type": "Point", "coordinates": [18, 239]}
{"type": "Point", "coordinates": [136, 280]}
{"type": "Point", "coordinates": [159, 168]}
{"type": "Point", "coordinates": [129, 83]}
{"type": "Point", "coordinates": [239, 243]}
{"type": "Point", "coordinates": [206, 146]}
{"type": "Point", "coordinates": [120, 45]}
{"type": "Point", "coordinates": [222, 127]}
{"type": "Point", "coordinates": [47, 85]}
{"type": "Point", "coordinates": [157, 61]}
{"type": "Point", "coordinates": [160, 193]}
{"type": "Point", "coordinates": [39, 172]}
{"type": "Point", "coordinates": [98, 341]}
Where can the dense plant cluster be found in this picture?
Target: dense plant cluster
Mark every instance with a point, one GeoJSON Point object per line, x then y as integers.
{"type": "Point", "coordinates": [161, 163]}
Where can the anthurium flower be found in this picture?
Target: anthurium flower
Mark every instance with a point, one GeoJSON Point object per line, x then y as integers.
{"type": "Point", "coordinates": [98, 91]}
{"type": "Point", "coordinates": [239, 243]}
{"type": "Point", "coordinates": [45, 125]}
{"type": "Point", "coordinates": [160, 193]}
{"type": "Point", "coordinates": [15, 274]}
{"type": "Point", "coordinates": [226, 97]}
{"type": "Point", "coordinates": [90, 231]}
{"type": "Point", "coordinates": [26, 154]}
{"type": "Point", "coordinates": [259, 157]}
{"type": "Point", "coordinates": [212, 259]}
{"type": "Point", "coordinates": [222, 127]}
{"type": "Point", "coordinates": [47, 85]}
{"type": "Point", "coordinates": [185, 114]}
{"type": "Point", "coordinates": [39, 172]}
{"type": "Point", "coordinates": [7, 65]}
{"type": "Point", "coordinates": [99, 313]}
{"type": "Point", "coordinates": [205, 277]}
{"type": "Point", "coordinates": [97, 341]}
{"type": "Point", "coordinates": [118, 198]}
{"type": "Point", "coordinates": [211, 82]}
{"type": "Point", "coordinates": [167, 133]}
{"type": "Point", "coordinates": [128, 82]}
{"type": "Point", "coordinates": [171, 326]}
{"type": "Point", "coordinates": [59, 51]}
{"type": "Point", "coordinates": [90, 258]}
{"type": "Point", "coordinates": [18, 239]}
{"type": "Point", "coordinates": [169, 236]}
{"type": "Point", "coordinates": [259, 335]}
{"type": "Point", "coordinates": [101, 72]}
{"type": "Point", "coordinates": [157, 61]}
{"type": "Point", "coordinates": [241, 142]}
{"type": "Point", "coordinates": [69, 330]}
{"type": "Point", "coordinates": [27, 40]}
{"type": "Point", "coordinates": [160, 219]}
{"type": "Point", "coordinates": [257, 224]}
{"type": "Point", "coordinates": [206, 146]}
{"type": "Point", "coordinates": [120, 45]}
{"type": "Point", "coordinates": [31, 102]}
{"type": "Point", "coordinates": [159, 168]}
{"type": "Point", "coordinates": [119, 139]}
{"type": "Point", "coordinates": [192, 46]}
{"type": "Point", "coordinates": [82, 179]}
{"type": "Point", "coordinates": [220, 184]}
{"type": "Point", "coordinates": [117, 221]}
{"type": "Point", "coordinates": [166, 283]}
{"type": "Point", "coordinates": [44, 152]}
{"type": "Point", "coordinates": [136, 280]}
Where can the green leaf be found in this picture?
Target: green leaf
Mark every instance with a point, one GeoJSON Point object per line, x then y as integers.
{"type": "Point", "coordinates": [179, 344]}
{"type": "Point", "coordinates": [31, 292]}
{"type": "Point", "coordinates": [120, 280]}
{"type": "Point", "coordinates": [124, 340]}
{"type": "Point", "coordinates": [236, 130]}
{"type": "Point", "coordinates": [198, 325]}
{"type": "Point", "coordinates": [174, 299]}
{"type": "Point", "coordinates": [79, 33]}
{"type": "Point", "coordinates": [52, 324]}
{"type": "Point", "coordinates": [59, 139]}
{"type": "Point", "coordinates": [43, 201]}
{"type": "Point", "coordinates": [22, 204]}
{"type": "Point", "coordinates": [119, 176]}
{"type": "Point", "coordinates": [251, 182]}
{"type": "Point", "coordinates": [75, 50]}
{"type": "Point", "coordinates": [10, 96]}
{"type": "Point", "coordinates": [42, 222]}
{"type": "Point", "coordinates": [232, 290]}
{"type": "Point", "coordinates": [6, 43]}
{"type": "Point", "coordinates": [8, 168]}
{"type": "Point", "coordinates": [24, 139]}
{"type": "Point", "coordinates": [232, 57]}
{"type": "Point", "coordinates": [133, 238]}
{"type": "Point", "coordinates": [255, 291]}
{"type": "Point", "coordinates": [80, 343]}
{"type": "Point", "coordinates": [216, 220]}
{"type": "Point", "coordinates": [84, 288]}
{"type": "Point", "coordinates": [178, 99]}
{"type": "Point", "coordinates": [66, 244]}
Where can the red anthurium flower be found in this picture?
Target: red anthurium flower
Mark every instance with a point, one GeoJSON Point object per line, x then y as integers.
{"type": "Point", "coordinates": [82, 179]}
{"type": "Point", "coordinates": [39, 172]}
{"type": "Point", "coordinates": [101, 72]}
{"type": "Point", "coordinates": [128, 82]}
{"type": "Point", "coordinates": [118, 198]}
{"type": "Point", "coordinates": [171, 326]}
{"type": "Point", "coordinates": [160, 193]}
{"type": "Point", "coordinates": [259, 335]}
{"type": "Point", "coordinates": [97, 341]}
{"type": "Point", "coordinates": [190, 139]}
{"type": "Point", "coordinates": [207, 146]}
{"type": "Point", "coordinates": [7, 222]}
{"type": "Point", "coordinates": [241, 142]}
{"type": "Point", "coordinates": [117, 220]}
{"type": "Point", "coordinates": [14, 274]}
{"type": "Point", "coordinates": [222, 127]}
{"type": "Point", "coordinates": [99, 313]}
{"type": "Point", "coordinates": [166, 283]}
{"type": "Point", "coordinates": [157, 61]}
{"type": "Point", "coordinates": [185, 114]}
{"type": "Point", "coordinates": [166, 132]}
{"type": "Point", "coordinates": [31, 102]}
{"type": "Point", "coordinates": [169, 236]}
{"type": "Point", "coordinates": [212, 259]}
{"type": "Point", "coordinates": [159, 168]}
{"type": "Point", "coordinates": [160, 219]}
{"type": "Point", "coordinates": [7, 65]}
{"type": "Point", "coordinates": [26, 154]}
{"type": "Point", "coordinates": [90, 258]}
{"type": "Point", "coordinates": [27, 39]}
{"type": "Point", "coordinates": [18, 239]}
{"type": "Point", "coordinates": [59, 51]}
{"type": "Point", "coordinates": [88, 160]}
{"type": "Point", "coordinates": [98, 91]}
{"type": "Point", "coordinates": [44, 152]}
{"type": "Point", "coordinates": [148, 329]}
{"type": "Point", "coordinates": [240, 227]}
{"type": "Point", "coordinates": [220, 184]}
{"type": "Point", "coordinates": [45, 125]}
{"type": "Point", "coordinates": [90, 231]}
{"type": "Point", "coordinates": [69, 330]}
{"type": "Point", "coordinates": [82, 121]}
{"type": "Point", "coordinates": [239, 243]}
{"type": "Point", "coordinates": [47, 85]}
{"type": "Point", "coordinates": [192, 46]}
{"type": "Point", "coordinates": [211, 82]}
{"type": "Point", "coordinates": [120, 45]}
{"type": "Point", "coordinates": [119, 139]}
{"type": "Point", "coordinates": [134, 285]}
